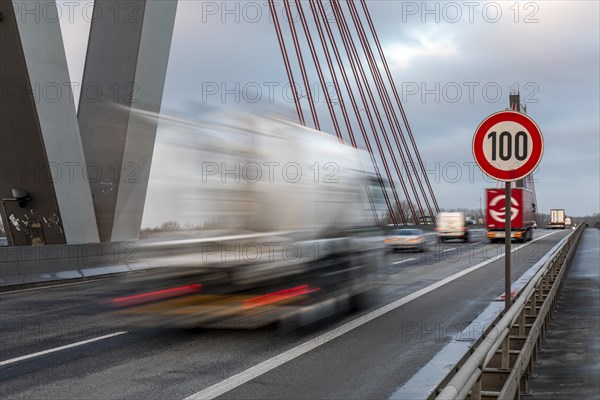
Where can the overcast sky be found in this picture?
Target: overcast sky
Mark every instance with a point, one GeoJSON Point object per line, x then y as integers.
{"type": "Point", "coordinates": [549, 50]}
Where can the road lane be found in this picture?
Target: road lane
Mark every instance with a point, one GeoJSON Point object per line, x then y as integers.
{"type": "Point", "coordinates": [388, 347]}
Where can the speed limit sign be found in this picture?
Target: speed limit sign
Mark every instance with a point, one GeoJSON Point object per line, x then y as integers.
{"type": "Point", "coordinates": [508, 145]}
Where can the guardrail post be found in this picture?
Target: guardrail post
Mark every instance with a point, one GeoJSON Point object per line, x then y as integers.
{"type": "Point", "coordinates": [476, 390]}
{"type": "Point", "coordinates": [532, 305]}
{"type": "Point", "coordinates": [522, 319]}
{"type": "Point", "coordinates": [539, 298]}
{"type": "Point", "coordinates": [506, 353]}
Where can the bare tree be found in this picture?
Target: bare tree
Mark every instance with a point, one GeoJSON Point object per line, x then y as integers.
{"type": "Point", "coordinates": [170, 226]}
{"type": "Point", "coordinates": [188, 226]}
{"type": "Point", "coordinates": [592, 220]}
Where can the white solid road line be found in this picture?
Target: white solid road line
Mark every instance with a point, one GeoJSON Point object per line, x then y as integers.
{"type": "Point", "coordinates": [403, 261]}
{"type": "Point", "coordinates": [68, 346]}
{"type": "Point", "coordinates": [453, 248]}
{"type": "Point", "coordinates": [245, 376]}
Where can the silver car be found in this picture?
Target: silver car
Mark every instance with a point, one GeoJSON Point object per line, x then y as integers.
{"type": "Point", "coordinates": [406, 239]}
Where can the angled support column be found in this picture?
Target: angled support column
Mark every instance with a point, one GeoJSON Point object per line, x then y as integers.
{"type": "Point", "coordinates": [125, 71]}
{"type": "Point", "coordinates": [40, 144]}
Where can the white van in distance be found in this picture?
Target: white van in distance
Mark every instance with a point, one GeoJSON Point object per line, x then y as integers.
{"type": "Point", "coordinates": [452, 225]}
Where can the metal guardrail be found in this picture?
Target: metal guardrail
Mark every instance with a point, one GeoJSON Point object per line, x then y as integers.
{"type": "Point", "coordinates": [498, 367]}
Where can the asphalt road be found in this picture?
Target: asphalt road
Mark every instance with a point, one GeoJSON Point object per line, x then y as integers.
{"type": "Point", "coordinates": [362, 355]}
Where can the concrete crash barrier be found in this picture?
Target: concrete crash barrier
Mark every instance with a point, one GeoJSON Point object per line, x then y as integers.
{"type": "Point", "coordinates": [22, 265]}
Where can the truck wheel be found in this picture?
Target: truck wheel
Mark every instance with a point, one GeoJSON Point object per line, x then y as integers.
{"type": "Point", "coordinates": [525, 237]}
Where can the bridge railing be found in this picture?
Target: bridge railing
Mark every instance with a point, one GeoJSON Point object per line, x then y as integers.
{"type": "Point", "coordinates": [499, 365]}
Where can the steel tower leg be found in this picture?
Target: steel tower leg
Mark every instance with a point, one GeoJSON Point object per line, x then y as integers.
{"type": "Point", "coordinates": [40, 145]}
{"type": "Point", "coordinates": [125, 71]}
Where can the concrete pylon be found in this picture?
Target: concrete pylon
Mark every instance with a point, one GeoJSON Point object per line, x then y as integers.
{"type": "Point", "coordinates": [40, 146]}
{"type": "Point", "coordinates": [125, 71]}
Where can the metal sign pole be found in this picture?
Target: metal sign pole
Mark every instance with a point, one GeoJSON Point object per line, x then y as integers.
{"type": "Point", "coordinates": [507, 238]}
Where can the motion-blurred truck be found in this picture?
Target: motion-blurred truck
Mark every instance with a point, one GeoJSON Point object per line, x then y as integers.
{"type": "Point", "coordinates": [523, 214]}
{"type": "Point", "coordinates": [557, 219]}
{"type": "Point", "coordinates": [294, 236]}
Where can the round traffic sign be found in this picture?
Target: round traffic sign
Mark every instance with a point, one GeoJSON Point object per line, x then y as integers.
{"type": "Point", "coordinates": [508, 145]}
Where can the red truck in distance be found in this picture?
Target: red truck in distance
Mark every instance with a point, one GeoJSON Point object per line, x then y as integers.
{"type": "Point", "coordinates": [523, 214]}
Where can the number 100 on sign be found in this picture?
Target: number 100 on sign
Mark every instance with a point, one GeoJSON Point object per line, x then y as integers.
{"type": "Point", "coordinates": [505, 147]}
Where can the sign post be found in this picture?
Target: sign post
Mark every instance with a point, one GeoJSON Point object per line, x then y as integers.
{"type": "Point", "coordinates": [508, 146]}
{"type": "Point", "coordinates": [507, 238]}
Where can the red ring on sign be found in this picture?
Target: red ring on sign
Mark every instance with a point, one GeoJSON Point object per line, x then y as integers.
{"type": "Point", "coordinates": [536, 151]}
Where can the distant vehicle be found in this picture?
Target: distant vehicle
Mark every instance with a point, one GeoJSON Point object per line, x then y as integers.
{"type": "Point", "coordinates": [557, 219]}
{"type": "Point", "coordinates": [568, 222]}
{"type": "Point", "coordinates": [452, 225]}
{"type": "Point", "coordinates": [406, 239]}
{"type": "Point", "coordinates": [534, 225]}
{"type": "Point", "coordinates": [523, 213]}
{"type": "Point", "coordinates": [471, 221]}
{"type": "Point", "coordinates": [426, 220]}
